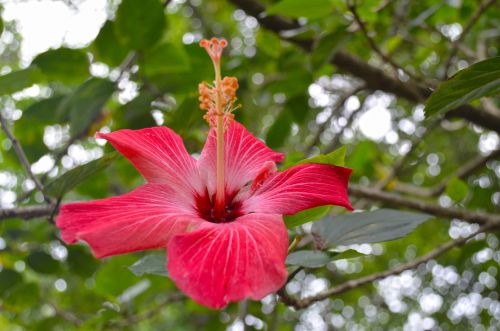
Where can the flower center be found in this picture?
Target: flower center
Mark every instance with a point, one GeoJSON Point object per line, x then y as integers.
{"type": "Point", "coordinates": [218, 100]}
{"type": "Point", "coordinates": [206, 209]}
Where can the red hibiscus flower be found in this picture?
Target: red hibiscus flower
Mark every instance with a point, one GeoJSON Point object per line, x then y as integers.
{"type": "Point", "coordinates": [219, 217]}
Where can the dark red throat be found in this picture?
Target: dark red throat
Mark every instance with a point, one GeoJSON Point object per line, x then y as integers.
{"type": "Point", "coordinates": [205, 205]}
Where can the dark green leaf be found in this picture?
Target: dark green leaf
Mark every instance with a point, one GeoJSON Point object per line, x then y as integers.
{"type": "Point", "coordinates": [8, 279]}
{"type": "Point", "coordinates": [63, 64]}
{"type": "Point", "coordinates": [155, 264]}
{"type": "Point", "coordinates": [457, 189]}
{"type": "Point", "coordinates": [86, 104]}
{"type": "Point", "coordinates": [67, 181]}
{"type": "Point", "coordinates": [308, 259]}
{"type": "Point", "coordinates": [137, 113]}
{"type": "Point", "coordinates": [45, 111]}
{"type": "Point", "coordinates": [306, 216]}
{"type": "Point", "coordinates": [43, 263]}
{"type": "Point", "coordinates": [107, 47]}
{"type": "Point", "coordinates": [326, 47]}
{"type": "Point", "coordinates": [140, 27]}
{"type": "Point", "coordinates": [18, 80]}
{"type": "Point", "coordinates": [479, 80]}
{"type": "Point", "coordinates": [297, 8]}
{"type": "Point", "coordinates": [81, 262]}
{"type": "Point", "coordinates": [280, 130]}
{"type": "Point", "coordinates": [298, 107]}
{"type": "Point", "coordinates": [367, 227]}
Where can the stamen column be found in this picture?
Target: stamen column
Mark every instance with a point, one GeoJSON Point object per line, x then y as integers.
{"type": "Point", "coordinates": [214, 48]}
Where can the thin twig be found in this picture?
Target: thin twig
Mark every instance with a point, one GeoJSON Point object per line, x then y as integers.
{"type": "Point", "coordinates": [66, 315]}
{"type": "Point", "coordinates": [242, 313]}
{"type": "Point", "coordinates": [349, 285]}
{"type": "Point", "coordinates": [462, 172]}
{"type": "Point", "coordinates": [339, 104]}
{"type": "Point", "coordinates": [373, 45]}
{"type": "Point", "coordinates": [22, 156]}
{"type": "Point", "coordinates": [158, 307]}
{"type": "Point", "coordinates": [398, 166]}
{"type": "Point", "coordinates": [430, 208]}
{"type": "Point", "coordinates": [468, 26]}
{"type": "Point", "coordinates": [334, 144]}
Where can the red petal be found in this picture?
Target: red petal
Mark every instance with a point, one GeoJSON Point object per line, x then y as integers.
{"type": "Point", "coordinates": [301, 187]}
{"type": "Point", "coordinates": [244, 157]}
{"type": "Point", "coordinates": [145, 218]}
{"type": "Point", "coordinates": [226, 262]}
{"type": "Point", "coordinates": [159, 154]}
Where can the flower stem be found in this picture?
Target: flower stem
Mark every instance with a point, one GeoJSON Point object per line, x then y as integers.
{"type": "Point", "coordinates": [220, 191]}
{"type": "Point", "coordinates": [294, 243]}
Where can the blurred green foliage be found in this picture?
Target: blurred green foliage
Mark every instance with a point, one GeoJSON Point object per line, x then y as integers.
{"type": "Point", "coordinates": [142, 69]}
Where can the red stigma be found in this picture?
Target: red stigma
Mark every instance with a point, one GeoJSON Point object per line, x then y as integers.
{"type": "Point", "coordinates": [214, 47]}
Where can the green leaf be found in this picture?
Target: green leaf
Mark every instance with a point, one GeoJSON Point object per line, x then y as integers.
{"type": "Point", "coordinates": [348, 254]}
{"type": "Point", "coordinates": [297, 8]}
{"type": "Point", "coordinates": [43, 263]}
{"type": "Point", "coordinates": [86, 104]}
{"type": "Point", "coordinates": [67, 181]}
{"type": "Point", "coordinates": [317, 259]}
{"type": "Point", "coordinates": [367, 227]}
{"type": "Point", "coordinates": [280, 130]}
{"type": "Point", "coordinates": [336, 158]}
{"type": "Point", "coordinates": [308, 259]}
{"type": "Point", "coordinates": [22, 296]}
{"type": "Point", "coordinates": [18, 80]}
{"type": "Point", "coordinates": [185, 116]}
{"type": "Point", "coordinates": [107, 47]}
{"type": "Point", "coordinates": [457, 189]}
{"type": "Point", "coordinates": [63, 64]}
{"type": "Point", "coordinates": [81, 262]}
{"type": "Point", "coordinates": [155, 264]}
{"type": "Point", "coordinates": [478, 80]}
{"type": "Point", "coordinates": [112, 278]}
{"type": "Point", "coordinates": [166, 58]}
{"type": "Point", "coordinates": [306, 216]}
{"type": "Point", "coordinates": [140, 26]}
{"type": "Point", "coordinates": [326, 47]}
{"type": "Point", "coordinates": [269, 43]}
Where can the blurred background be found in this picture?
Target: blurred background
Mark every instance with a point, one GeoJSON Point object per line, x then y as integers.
{"type": "Point", "coordinates": [314, 76]}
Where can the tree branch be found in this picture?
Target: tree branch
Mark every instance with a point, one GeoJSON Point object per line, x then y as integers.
{"type": "Point", "coordinates": [27, 212]}
{"type": "Point", "coordinates": [433, 209]}
{"type": "Point", "coordinates": [375, 78]}
{"type": "Point", "coordinates": [349, 285]}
